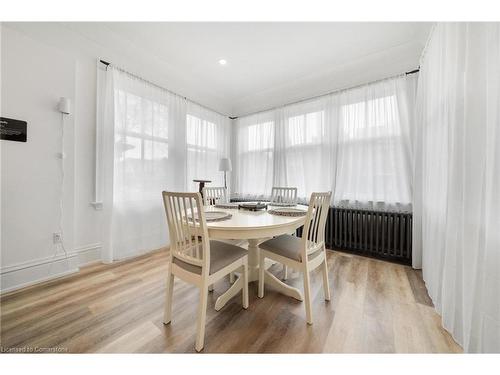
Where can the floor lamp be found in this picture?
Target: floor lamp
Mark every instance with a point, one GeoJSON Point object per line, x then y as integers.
{"type": "Point", "coordinates": [225, 166]}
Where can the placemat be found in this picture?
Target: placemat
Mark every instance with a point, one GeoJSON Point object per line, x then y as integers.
{"type": "Point", "coordinates": [226, 205]}
{"type": "Point", "coordinates": [212, 216]}
{"type": "Point", "coordinates": [287, 212]}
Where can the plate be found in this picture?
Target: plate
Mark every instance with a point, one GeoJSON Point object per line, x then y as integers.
{"type": "Point", "coordinates": [286, 211]}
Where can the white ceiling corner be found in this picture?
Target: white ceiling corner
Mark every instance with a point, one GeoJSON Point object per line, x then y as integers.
{"type": "Point", "coordinates": [268, 64]}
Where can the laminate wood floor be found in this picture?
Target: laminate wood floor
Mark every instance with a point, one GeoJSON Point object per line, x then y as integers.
{"type": "Point", "coordinates": [376, 307]}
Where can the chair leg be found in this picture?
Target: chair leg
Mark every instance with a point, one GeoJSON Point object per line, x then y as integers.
{"type": "Point", "coordinates": [285, 272]}
{"type": "Point", "coordinates": [262, 270]}
{"type": "Point", "coordinates": [326, 285]}
{"type": "Point", "coordinates": [202, 314]}
{"type": "Point", "coordinates": [167, 316]}
{"type": "Point", "coordinates": [307, 296]}
{"type": "Point", "coordinates": [245, 285]}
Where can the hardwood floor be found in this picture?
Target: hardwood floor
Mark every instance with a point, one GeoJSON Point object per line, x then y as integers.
{"type": "Point", "coordinates": [376, 307]}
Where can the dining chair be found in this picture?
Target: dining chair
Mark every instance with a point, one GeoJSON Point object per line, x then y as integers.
{"type": "Point", "coordinates": [284, 195]}
{"type": "Point", "coordinates": [303, 254]}
{"type": "Point", "coordinates": [196, 259]}
{"type": "Point", "coordinates": [214, 195]}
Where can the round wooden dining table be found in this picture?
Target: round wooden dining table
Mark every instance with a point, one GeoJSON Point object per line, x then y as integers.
{"type": "Point", "coordinates": [254, 227]}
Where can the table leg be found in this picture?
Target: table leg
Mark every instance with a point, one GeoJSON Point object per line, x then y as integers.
{"type": "Point", "coordinates": [283, 288]}
{"type": "Point", "coordinates": [253, 275]}
{"type": "Point", "coordinates": [230, 293]}
{"type": "Point", "coordinates": [253, 260]}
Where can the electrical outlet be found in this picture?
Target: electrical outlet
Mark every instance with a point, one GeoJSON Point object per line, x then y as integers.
{"type": "Point", "coordinates": [57, 237]}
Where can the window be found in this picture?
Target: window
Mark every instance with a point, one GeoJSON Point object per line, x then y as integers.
{"type": "Point", "coordinates": [375, 118]}
{"type": "Point", "coordinates": [149, 140]}
{"type": "Point", "coordinates": [372, 160]}
{"type": "Point", "coordinates": [200, 133]}
{"type": "Point", "coordinates": [205, 146]}
{"type": "Point", "coordinates": [305, 154]}
{"type": "Point", "coordinates": [255, 145]}
{"type": "Point", "coordinates": [306, 129]}
{"type": "Point", "coordinates": [354, 142]}
{"type": "Point", "coordinates": [141, 144]}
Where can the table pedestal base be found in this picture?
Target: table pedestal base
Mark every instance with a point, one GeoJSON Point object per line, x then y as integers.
{"type": "Point", "coordinates": [253, 275]}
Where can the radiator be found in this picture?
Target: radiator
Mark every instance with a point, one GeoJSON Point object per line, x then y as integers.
{"type": "Point", "coordinates": [384, 235]}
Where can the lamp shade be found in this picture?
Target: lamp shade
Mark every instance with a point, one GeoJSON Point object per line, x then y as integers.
{"type": "Point", "coordinates": [225, 165]}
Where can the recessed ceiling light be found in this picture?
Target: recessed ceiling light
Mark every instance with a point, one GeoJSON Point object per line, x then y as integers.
{"type": "Point", "coordinates": [222, 62]}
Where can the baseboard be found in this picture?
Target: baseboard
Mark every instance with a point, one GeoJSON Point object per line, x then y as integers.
{"type": "Point", "coordinates": [132, 255]}
{"type": "Point", "coordinates": [28, 273]}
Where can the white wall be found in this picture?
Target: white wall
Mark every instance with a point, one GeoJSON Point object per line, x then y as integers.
{"type": "Point", "coordinates": [40, 63]}
{"type": "Point", "coordinates": [34, 77]}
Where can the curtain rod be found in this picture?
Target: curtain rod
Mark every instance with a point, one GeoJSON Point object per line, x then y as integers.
{"type": "Point", "coordinates": [265, 110]}
{"type": "Point", "coordinates": [326, 94]}
{"type": "Point", "coordinates": [162, 88]}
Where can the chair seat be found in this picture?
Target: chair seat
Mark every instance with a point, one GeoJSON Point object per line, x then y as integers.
{"type": "Point", "coordinates": [222, 254]}
{"type": "Point", "coordinates": [286, 246]}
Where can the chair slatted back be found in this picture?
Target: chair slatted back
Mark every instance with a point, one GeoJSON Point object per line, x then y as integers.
{"type": "Point", "coordinates": [214, 195]}
{"type": "Point", "coordinates": [314, 227]}
{"type": "Point", "coordinates": [187, 226]}
{"type": "Point", "coordinates": [284, 195]}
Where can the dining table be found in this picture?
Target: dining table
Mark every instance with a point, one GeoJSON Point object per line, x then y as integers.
{"type": "Point", "coordinates": [255, 227]}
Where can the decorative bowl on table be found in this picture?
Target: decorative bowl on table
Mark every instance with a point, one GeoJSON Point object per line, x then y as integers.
{"type": "Point", "coordinates": [253, 206]}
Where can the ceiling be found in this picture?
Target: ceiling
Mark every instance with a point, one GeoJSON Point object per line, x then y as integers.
{"type": "Point", "coordinates": [268, 64]}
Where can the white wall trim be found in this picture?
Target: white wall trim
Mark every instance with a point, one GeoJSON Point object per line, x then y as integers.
{"type": "Point", "coordinates": [25, 274]}
{"type": "Point", "coordinates": [51, 259]}
{"type": "Point", "coordinates": [38, 281]}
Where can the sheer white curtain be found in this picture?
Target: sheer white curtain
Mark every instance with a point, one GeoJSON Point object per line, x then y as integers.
{"type": "Point", "coordinates": [373, 158]}
{"type": "Point", "coordinates": [457, 181]}
{"type": "Point", "coordinates": [253, 155]}
{"type": "Point", "coordinates": [139, 161]}
{"type": "Point", "coordinates": [150, 140]}
{"type": "Point", "coordinates": [208, 137]}
{"type": "Point", "coordinates": [355, 143]}
{"type": "Point", "coordinates": [305, 147]}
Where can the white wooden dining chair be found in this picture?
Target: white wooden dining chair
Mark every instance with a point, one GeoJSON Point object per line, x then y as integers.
{"type": "Point", "coordinates": [211, 196]}
{"type": "Point", "coordinates": [214, 195]}
{"type": "Point", "coordinates": [196, 259]}
{"type": "Point", "coordinates": [284, 195]}
{"type": "Point", "coordinates": [304, 253]}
